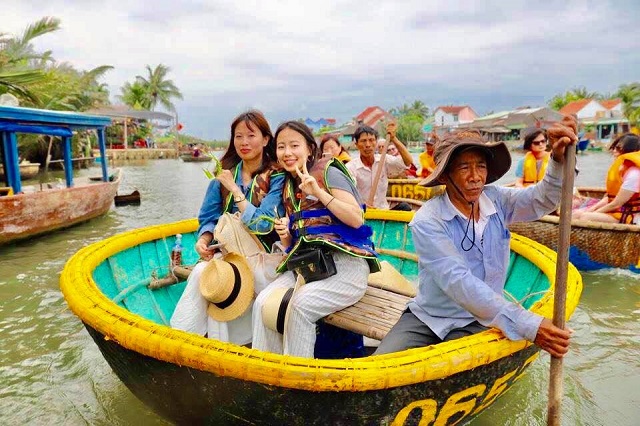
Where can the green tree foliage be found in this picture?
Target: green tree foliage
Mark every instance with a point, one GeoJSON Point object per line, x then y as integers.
{"type": "Point", "coordinates": [37, 80]}
{"type": "Point", "coordinates": [630, 95]}
{"type": "Point", "coordinates": [20, 65]}
{"type": "Point", "coordinates": [135, 95]}
{"type": "Point", "coordinates": [575, 94]}
{"type": "Point", "coordinates": [410, 127]}
{"type": "Point", "coordinates": [159, 89]}
{"type": "Point", "coordinates": [411, 118]}
{"type": "Point", "coordinates": [417, 108]}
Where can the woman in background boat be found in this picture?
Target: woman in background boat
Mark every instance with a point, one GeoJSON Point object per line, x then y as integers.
{"type": "Point", "coordinates": [531, 169]}
{"type": "Point", "coordinates": [330, 145]}
{"type": "Point", "coordinates": [621, 204]}
{"type": "Point", "coordinates": [249, 183]}
{"type": "Point", "coordinates": [328, 217]}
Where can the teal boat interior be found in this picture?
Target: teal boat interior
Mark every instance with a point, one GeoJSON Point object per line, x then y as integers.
{"type": "Point", "coordinates": [124, 276]}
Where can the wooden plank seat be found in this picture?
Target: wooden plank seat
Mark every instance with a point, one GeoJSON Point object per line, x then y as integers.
{"type": "Point", "coordinates": [373, 315]}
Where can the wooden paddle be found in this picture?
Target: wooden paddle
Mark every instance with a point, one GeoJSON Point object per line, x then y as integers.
{"type": "Point", "coordinates": [376, 177]}
{"type": "Point", "coordinates": [560, 296]}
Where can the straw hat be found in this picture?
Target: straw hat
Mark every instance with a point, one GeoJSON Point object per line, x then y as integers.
{"type": "Point", "coordinates": [389, 278]}
{"type": "Point", "coordinates": [235, 236]}
{"type": "Point", "coordinates": [498, 157]}
{"type": "Point", "coordinates": [275, 311]}
{"type": "Point", "coordinates": [227, 283]}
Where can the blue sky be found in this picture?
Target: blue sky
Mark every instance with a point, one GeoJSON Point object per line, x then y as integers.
{"type": "Point", "coordinates": [333, 58]}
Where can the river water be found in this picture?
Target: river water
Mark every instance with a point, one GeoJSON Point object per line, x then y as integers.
{"type": "Point", "coordinates": [51, 372]}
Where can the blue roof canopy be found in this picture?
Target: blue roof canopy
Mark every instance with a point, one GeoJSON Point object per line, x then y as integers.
{"type": "Point", "coordinates": [40, 121]}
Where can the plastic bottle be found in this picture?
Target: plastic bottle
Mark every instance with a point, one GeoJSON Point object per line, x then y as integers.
{"type": "Point", "coordinates": [176, 251]}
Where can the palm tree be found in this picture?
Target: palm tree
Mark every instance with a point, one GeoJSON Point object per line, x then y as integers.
{"type": "Point", "coordinates": [20, 65]}
{"type": "Point", "coordinates": [159, 88]}
{"type": "Point", "coordinates": [630, 95]}
{"type": "Point", "coordinates": [135, 95]}
{"type": "Point", "coordinates": [419, 108]}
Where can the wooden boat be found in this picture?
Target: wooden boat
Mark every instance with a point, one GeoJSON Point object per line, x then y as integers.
{"type": "Point", "coordinates": [191, 379]}
{"type": "Point", "coordinates": [594, 245]}
{"type": "Point", "coordinates": [127, 199]}
{"type": "Point", "coordinates": [28, 170]}
{"type": "Point", "coordinates": [34, 210]}
{"type": "Point", "coordinates": [190, 158]}
{"type": "Point", "coordinates": [409, 188]}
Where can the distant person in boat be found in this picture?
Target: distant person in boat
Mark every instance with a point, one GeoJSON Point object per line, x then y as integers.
{"type": "Point", "coordinates": [327, 225]}
{"type": "Point", "coordinates": [462, 241]}
{"type": "Point", "coordinates": [363, 168]}
{"type": "Point", "coordinates": [251, 184]}
{"type": "Point", "coordinates": [531, 168]}
{"type": "Point", "coordinates": [427, 165]}
{"type": "Point", "coordinates": [408, 172]}
{"type": "Point", "coordinates": [621, 203]}
{"type": "Point", "coordinates": [331, 146]}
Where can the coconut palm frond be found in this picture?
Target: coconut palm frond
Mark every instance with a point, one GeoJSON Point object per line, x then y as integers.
{"type": "Point", "coordinates": [43, 26]}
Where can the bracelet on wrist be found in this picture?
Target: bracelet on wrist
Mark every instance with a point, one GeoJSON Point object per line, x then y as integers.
{"type": "Point", "coordinates": [332, 198]}
{"type": "Point", "coordinates": [239, 199]}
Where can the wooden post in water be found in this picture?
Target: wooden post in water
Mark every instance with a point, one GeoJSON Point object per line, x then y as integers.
{"type": "Point", "coordinates": [560, 294]}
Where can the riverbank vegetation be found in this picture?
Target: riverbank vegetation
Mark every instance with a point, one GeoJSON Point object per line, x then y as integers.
{"type": "Point", "coordinates": [32, 78]}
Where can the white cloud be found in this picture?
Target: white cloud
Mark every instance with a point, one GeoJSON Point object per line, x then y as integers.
{"type": "Point", "coordinates": [285, 54]}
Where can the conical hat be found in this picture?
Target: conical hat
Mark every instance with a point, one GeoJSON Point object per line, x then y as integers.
{"type": "Point", "coordinates": [227, 283]}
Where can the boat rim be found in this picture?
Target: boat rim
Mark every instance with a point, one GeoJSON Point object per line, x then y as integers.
{"type": "Point", "coordinates": [377, 372]}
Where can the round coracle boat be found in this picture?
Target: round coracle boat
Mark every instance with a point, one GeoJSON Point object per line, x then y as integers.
{"type": "Point", "coordinates": [188, 378]}
{"type": "Point", "coordinates": [593, 245]}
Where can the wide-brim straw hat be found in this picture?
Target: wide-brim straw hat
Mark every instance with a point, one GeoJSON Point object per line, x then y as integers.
{"type": "Point", "coordinates": [275, 310]}
{"type": "Point", "coordinates": [498, 157]}
{"type": "Point", "coordinates": [228, 284]}
{"type": "Point", "coordinates": [389, 278]}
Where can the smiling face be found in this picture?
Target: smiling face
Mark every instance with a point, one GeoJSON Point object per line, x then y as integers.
{"type": "Point", "coordinates": [249, 141]}
{"type": "Point", "coordinates": [292, 150]}
{"type": "Point", "coordinates": [468, 172]}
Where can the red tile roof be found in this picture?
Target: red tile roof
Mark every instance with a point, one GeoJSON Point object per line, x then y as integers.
{"type": "Point", "coordinates": [372, 115]}
{"type": "Point", "coordinates": [610, 103]}
{"type": "Point", "coordinates": [575, 106]}
{"type": "Point", "coordinates": [452, 109]}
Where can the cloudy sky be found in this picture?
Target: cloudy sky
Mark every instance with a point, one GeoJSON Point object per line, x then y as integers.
{"type": "Point", "coordinates": [333, 58]}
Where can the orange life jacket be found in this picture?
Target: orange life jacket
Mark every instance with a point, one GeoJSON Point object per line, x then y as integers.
{"type": "Point", "coordinates": [615, 177]}
{"type": "Point", "coordinates": [531, 175]}
{"type": "Point", "coordinates": [427, 164]}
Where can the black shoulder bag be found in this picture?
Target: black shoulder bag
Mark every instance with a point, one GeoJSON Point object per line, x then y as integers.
{"type": "Point", "coordinates": [313, 263]}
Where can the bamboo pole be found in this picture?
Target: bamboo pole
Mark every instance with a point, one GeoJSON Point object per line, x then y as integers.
{"type": "Point", "coordinates": [560, 294]}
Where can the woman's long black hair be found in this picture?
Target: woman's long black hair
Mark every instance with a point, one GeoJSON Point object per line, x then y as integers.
{"type": "Point", "coordinates": [254, 119]}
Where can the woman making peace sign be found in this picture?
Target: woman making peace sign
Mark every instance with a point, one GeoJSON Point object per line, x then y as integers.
{"type": "Point", "coordinates": [324, 222]}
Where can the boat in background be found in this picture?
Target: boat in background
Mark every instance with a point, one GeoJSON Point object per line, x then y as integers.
{"type": "Point", "coordinates": [132, 199]}
{"type": "Point", "coordinates": [190, 379]}
{"type": "Point", "coordinates": [409, 188]}
{"type": "Point", "coordinates": [27, 211]}
{"type": "Point", "coordinates": [190, 158]}
{"type": "Point", "coordinates": [593, 245]}
{"type": "Point", "coordinates": [28, 170]}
